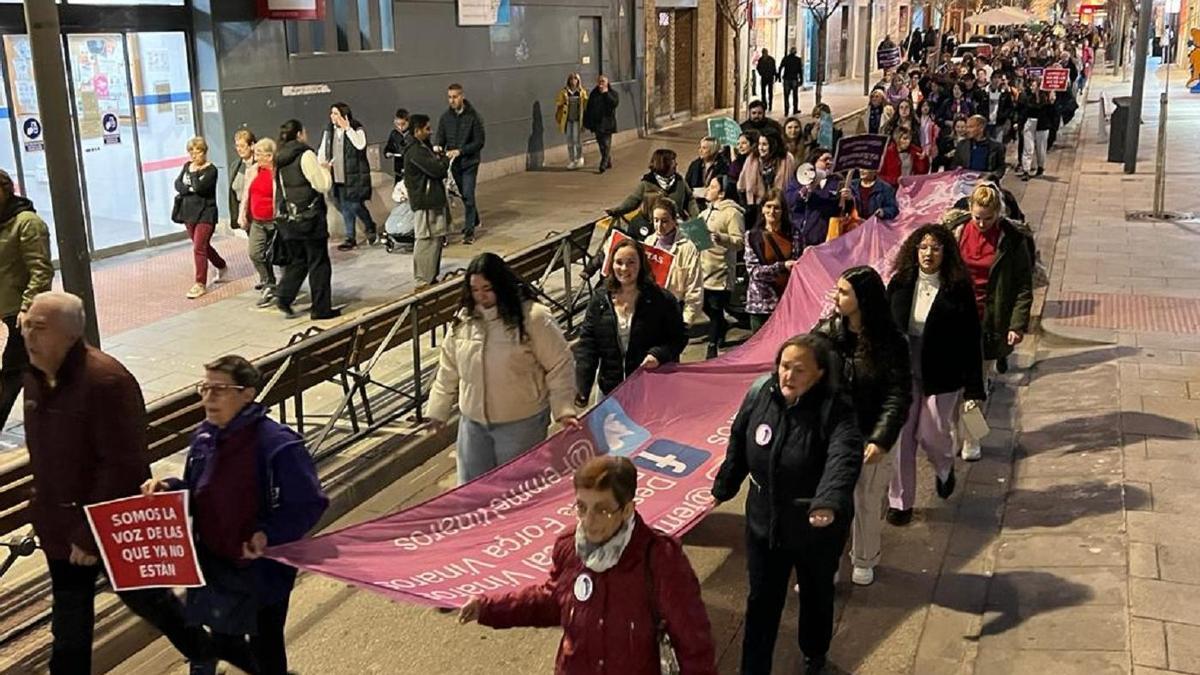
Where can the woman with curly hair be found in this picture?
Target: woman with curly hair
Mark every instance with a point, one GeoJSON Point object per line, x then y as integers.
{"type": "Point", "coordinates": [933, 303]}
{"type": "Point", "coordinates": [507, 365]}
{"type": "Point", "coordinates": [876, 372]}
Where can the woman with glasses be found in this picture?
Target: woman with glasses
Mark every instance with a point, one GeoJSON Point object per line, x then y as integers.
{"type": "Point", "coordinates": [996, 254]}
{"type": "Point", "coordinates": [614, 582]}
{"type": "Point", "coordinates": [795, 437]}
{"type": "Point", "coordinates": [506, 364]}
{"type": "Point", "coordinates": [251, 484]}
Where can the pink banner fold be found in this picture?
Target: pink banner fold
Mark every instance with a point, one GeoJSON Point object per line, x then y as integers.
{"type": "Point", "coordinates": [496, 533]}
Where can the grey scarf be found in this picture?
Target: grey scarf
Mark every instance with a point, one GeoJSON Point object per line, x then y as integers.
{"type": "Point", "coordinates": [603, 557]}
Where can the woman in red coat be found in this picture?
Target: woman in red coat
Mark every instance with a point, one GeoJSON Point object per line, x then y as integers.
{"type": "Point", "coordinates": [611, 578]}
{"type": "Point", "coordinates": [902, 158]}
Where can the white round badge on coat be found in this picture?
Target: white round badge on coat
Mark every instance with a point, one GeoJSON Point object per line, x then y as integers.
{"type": "Point", "coordinates": [583, 587]}
{"type": "Point", "coordinates": [762, 434]}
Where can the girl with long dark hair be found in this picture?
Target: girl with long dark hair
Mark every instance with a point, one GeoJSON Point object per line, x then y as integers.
{"type": "Point", "coordinates": [507, 364]}
{"type": "Point", "coordinates": [344, 152]}
{"type": "Point", "coordinates": [876, 372]}
{"type": "Point", "coordinates": [933, 303]}
{"type": "Point", "coordinates": [772, 248]}
{"type": "Point", "coordinates": [632, 323]}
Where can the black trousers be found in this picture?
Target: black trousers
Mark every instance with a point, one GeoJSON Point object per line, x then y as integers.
{"type": "Point", "coordinates": [309, 257]}
{"type": "Point", "coordinates": [604, 142]}
{"type": "Point", "coordinates": [715, 303]}
{"type": "Point", "coordinates": [16, 360]}
{"type": "Point", "coordinates": [73, 614]}
{"type": "Point", "coordinates": [262, 654]}
{"type": "Point", "coordinates": [791, 95]}
{"type": "Point", "coordinates": [768, 92]}
{"type": "Point", "coordinates": [770, 570]}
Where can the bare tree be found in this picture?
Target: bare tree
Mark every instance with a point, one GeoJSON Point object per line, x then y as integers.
{"type": "Point", "coordinates": [735, 13]}
{"type": "Point", "coordinates": [821, 11]}
{"type": "Point", "coordinates": [941, 8]}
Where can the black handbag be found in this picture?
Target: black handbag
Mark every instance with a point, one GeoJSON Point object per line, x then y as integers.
{"type": "Point", "coordinates": [298, 222]}
{"type": "Point", "coordinates": [277, 251]}
{"type": "Point", "coordinates": [177, 210]}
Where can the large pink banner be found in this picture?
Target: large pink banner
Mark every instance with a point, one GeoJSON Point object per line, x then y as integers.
{"type": "Point", "coordinates": [497, 532]}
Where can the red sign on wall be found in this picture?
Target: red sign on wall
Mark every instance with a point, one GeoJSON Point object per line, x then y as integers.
{"type": "Point", "coordinates": [1055, 79]}
{"type": "Point", "coordinates": [291, 10]}
{"type": "Point", "coordinates": [146, 542]}
{"type": "Point", "coordinates": [660, 259]}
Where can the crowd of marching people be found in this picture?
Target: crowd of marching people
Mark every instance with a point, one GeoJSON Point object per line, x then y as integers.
{"type": "Point", "coordinates": [827, 441]}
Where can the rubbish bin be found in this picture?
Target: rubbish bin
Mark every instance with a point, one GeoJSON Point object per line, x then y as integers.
{"type": "Point", "coordinates": [1118, 123]}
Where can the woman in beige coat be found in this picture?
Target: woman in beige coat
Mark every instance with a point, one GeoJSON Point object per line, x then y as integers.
{"type": "Point", "coordinates": [507, 365]}
{"type": "Point", "coordinates": [684, 281]}
{"type": "Point", "coordinates": [726, 224]}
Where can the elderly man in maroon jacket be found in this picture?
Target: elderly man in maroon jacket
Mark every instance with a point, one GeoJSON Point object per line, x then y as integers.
{"type": "Point", "coordinates": [86, 431]}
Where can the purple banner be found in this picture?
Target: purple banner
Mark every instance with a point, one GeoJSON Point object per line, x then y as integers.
{"type": "Point", "coordinates": [496, 533]}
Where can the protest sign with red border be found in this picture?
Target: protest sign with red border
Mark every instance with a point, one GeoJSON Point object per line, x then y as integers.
{"type": "Point", "coordinates": [660, 259]}
{"type": "Point", "coordinates": [1055, 79]}
{"type": "Point", "coordinates": [146, 541]}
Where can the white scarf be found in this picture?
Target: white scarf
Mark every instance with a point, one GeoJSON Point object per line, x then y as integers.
{"type": "Point", "coordinates": [603, 557]}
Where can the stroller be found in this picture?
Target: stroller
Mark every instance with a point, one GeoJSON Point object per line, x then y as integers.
{"type": "Point", "coordinates": [400, 227]}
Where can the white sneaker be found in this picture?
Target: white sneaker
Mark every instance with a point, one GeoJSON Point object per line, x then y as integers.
{"type": "Point", "coordinates": [971, 451]}
{"type": "Point", "coordinates": [196, 291]}
{"type": "Point", "coordinates": [863, 576]}
{"type": "Point", "coordinates": [221, 274]}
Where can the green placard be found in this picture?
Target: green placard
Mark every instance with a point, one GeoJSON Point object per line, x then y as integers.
{"type": "Point", "coordinates": [725, 129]}
{"type": "Point", "coordinates": [697, 233]}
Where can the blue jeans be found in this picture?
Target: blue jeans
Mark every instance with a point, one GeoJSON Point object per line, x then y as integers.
{"type": "Point", "coordinates": [466, 179]}
{"type": "Point", "coordinates": [483, 447]}
{"type": "Point", "coordinates": [574, 141]}
{"type": "Point", "coordinates": [351, 210]}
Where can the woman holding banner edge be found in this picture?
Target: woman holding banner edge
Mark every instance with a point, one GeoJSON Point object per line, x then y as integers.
{"type": "Point", "coordinates": [631, 323]}
{"type": "Point", "coordinates": [617, 587]}
{"type": "Point", "coordinates": [507, 365]}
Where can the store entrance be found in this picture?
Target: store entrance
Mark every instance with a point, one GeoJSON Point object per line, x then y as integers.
{"type": "Point", "coordinates": [132, 104]}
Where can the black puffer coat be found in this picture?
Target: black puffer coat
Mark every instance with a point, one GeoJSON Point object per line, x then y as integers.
{"type": "Point", "coordinates": [657, 329]}
{"type": "Point", "coordinates": [810, 451]}
{"type": "Point", "coordinates": [881, 397]}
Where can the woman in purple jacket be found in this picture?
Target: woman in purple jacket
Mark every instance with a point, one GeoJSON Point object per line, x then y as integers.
{"type": "Point", "coordinates": [251, 484]}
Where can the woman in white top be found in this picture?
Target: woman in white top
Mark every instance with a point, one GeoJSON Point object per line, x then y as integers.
{"type": "Point", "coordinates": [507, 365]}
{"type": "Point", "coordinates": [684, 281]}
{"type": "Point", "coordinates": [933, 303]}
{"type": "Point", "coordinates": [344, 152]}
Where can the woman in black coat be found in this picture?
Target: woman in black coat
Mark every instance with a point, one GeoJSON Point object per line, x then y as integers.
{"type": "Point", "coordinates": [631, 322]}
{"type": "Point", "coordinates": [797, 440]}
{"type": "Point", "coordinates": [875, 369]}
{"type": "Point", "coordinates": [934, 304]}
{"type": "Point", "coordinates": [196, 209]}
{"type": "Point", "coordinates": [600, 118]}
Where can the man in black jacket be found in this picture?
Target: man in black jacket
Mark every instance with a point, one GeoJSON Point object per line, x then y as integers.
{"type": "Point", "coordinates": [710, 164]}
{"type": "Point", "coordinates": [759, 121]}
{"type": "Point", "coordinates": [600, 118]}
{"type": "Point", "coordinates": [424, 177]}
{"type": "Point", "coordinates": [460, 135]}
{"type": "Point", "coordinates": [791, 71]}
{"type": "Point", "coordinates": [767, 72]}
{"type": "Point", "coordinates": [977, 152]}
